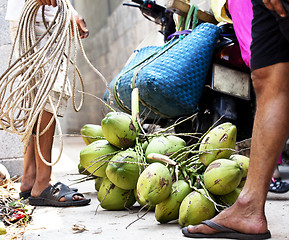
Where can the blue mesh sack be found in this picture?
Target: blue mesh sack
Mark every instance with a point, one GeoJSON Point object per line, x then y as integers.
{"type": "Point", "coordinates": [171, 78]}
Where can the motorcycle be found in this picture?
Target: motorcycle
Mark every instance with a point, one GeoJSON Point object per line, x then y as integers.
{"type": "Point", "coordinates": [227, 95]}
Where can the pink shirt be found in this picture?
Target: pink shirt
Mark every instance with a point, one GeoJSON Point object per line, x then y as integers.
{"type": "Point", "coordinates": [242, 14]}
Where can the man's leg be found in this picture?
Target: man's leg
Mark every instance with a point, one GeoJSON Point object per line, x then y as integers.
{"type": "Point", "coordinates": [269, 135]}
{"type": "Point", "coordinates": [36, 174]}
{"type": "Point", "coordinates": [276, 173]}
{"type": "Point", "coordinates": [29, 168]}
{"type": "Point", "coordinates": [43, 172]}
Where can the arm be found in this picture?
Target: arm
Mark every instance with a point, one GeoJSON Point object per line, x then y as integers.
{"type": "Point", "coordinates": [47, 2]}
{"type": "Point", "coordinates": [276, 5]}
{"type": "Point", "coordinates": [81, 25]}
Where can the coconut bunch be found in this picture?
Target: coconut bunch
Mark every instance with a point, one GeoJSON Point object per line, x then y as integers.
{"type": "Point", "coordinates": [208, 178]}
{"type": "Point", "coordinates": [160, 171]}
{"type": "Point", "coordinates": [117, 153]}
{"type": "Point", "coordinates": [188, 183]}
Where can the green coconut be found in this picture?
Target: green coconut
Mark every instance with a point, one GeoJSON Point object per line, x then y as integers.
{"type": "Point", "coordinates": [218, 143]}
{"type": "Point", "coordinates": [91, 133]}
{"type": "Point", "coordinates": [144, 146]}
{"type": "Point", "coordinates": [242, 183]}
{"type": "Point", "coordinates": [243, 161]}
{"type": "Point", "coordinates": [112, 197]}
{"type": "Point", "coordinates": [154, 184]}
{"type": "Point", "coordinates": [123, 170]}
{"type": "Point", "coordinates": [195, 208]}
{"type": "Point", "coordinates": [228, 199]}
{"type": "Point", "coordinates": [222, 176]}
{"type": "Point", "coordinates": [168, 209]}
{"type": "Point", "coordinates": [82, 170]}
{"type": "Point", "coordinates": [142, 202]}
{"type": "Point", "coordinates": [95, 156]}
{"type": "Point", "coordinates": [165, 145]}
{"type": "Point", "coordinates": [119, 130]}
{"type": "Point", "coordinates": [97, 183]}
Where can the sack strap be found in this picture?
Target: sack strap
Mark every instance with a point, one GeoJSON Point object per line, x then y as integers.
{"type": "Point", "coordinates": [192, 12]}
{"type": "Point", "coordinates": [177, 34]}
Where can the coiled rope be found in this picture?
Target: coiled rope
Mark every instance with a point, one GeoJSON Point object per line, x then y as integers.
{"type": "Point", "coordinates": [26, 84]}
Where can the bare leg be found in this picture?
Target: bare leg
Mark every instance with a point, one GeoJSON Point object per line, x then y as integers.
{"type": "Point", "coordinates": [276, 173]}
{"type": "Point", "coordinates": [43, 172]}
{"type": "Point", "coordinates": [269, 135]}
{"type": "Point", "coordinates": [277, 185]}
{"type": "Point", "coordinates": [29, 168]}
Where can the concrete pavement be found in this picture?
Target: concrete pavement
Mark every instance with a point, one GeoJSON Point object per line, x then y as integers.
{"type": "Point", "coordinates": [85, 223]}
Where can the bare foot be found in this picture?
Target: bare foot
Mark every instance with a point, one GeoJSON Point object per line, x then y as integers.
{"type": "Point", "coordinates": [27, 184]}
{"type": "Point", "coordinates": [243, 217]}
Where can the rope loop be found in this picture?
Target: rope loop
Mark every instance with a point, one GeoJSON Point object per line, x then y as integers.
{"type": "Point", "coordinates": [26, 84]}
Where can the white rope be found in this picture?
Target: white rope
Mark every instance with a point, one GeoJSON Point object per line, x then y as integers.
{"type": "Point", "coordinates": [26, 84]}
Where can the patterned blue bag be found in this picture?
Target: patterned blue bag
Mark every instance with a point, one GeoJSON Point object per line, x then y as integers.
{"type": "Point", "coordinates": [171, 78]}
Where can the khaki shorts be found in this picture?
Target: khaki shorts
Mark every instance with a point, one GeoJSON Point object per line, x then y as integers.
{"type": "Point", "coordinates": [58, 85]}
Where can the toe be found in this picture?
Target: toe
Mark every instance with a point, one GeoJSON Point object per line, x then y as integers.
{"type": "Point", "coordinates": [77, 198]}
{"type": "Point", "coordinates": [74, 198]}
{"type": "Point", "coordinates": [201, 228]}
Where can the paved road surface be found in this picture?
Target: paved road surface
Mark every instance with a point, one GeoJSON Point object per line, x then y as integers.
{"type": "Point", "coordinates": [85, 223]}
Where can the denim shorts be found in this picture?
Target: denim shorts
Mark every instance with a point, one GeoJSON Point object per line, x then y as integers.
{"type": "Point", "coordinates": [270, 41]}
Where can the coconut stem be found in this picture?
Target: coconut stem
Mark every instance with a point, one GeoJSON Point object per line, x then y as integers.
{"type": "Point", "coordinates": [108, 106]}
{"type": "Point", "coordinates": [127, 198]}
{"type": "Point", "coordinates": [139, 217]}
{"type": "Point", "coordinates": [177, 123]}
{"type": "Point", "coordinates": [162, 158]}
{"type": "Point", "coordinates": [110, 187]}
{"type": "Point", "coordinates": [207, 195]}
{"type": "Point", "coordinates": [135, 108]}
{"type": "Point", "coordinates": [140, 155]}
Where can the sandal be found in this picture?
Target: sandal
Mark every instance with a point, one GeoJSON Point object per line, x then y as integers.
{"type": "Point", "coordinates": [27, 194]}
{"type": "Point", "coordinates": [278, 186]}
{"type": "Point", "coordinates": [51, 195]}
{"type": "Point", "coordinates": [224, 232]}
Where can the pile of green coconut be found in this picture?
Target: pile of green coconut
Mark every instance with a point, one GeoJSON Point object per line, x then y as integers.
{"type": "Point", "coordinates": [160, 171]}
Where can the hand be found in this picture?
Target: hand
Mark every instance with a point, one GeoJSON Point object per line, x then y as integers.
{"type": "Point", "coordinates": [47, 2]}
{"type": "Point", "coordinates": [275, 5]}
{"type": "Point", "coordinates": [81, 25]}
